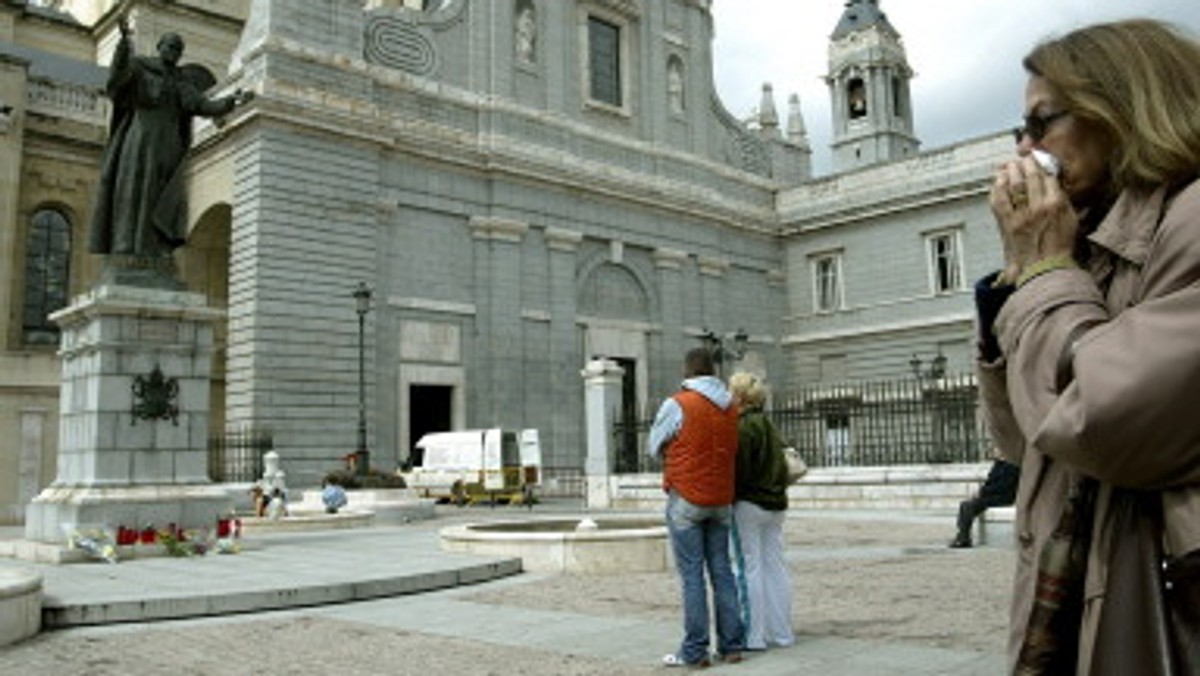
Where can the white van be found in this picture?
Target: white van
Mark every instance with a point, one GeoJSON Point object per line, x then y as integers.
{"type": "Point", "coordinates": [473, 465]}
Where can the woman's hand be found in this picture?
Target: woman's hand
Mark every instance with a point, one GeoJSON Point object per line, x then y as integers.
{"type": "Point", "coordinates": [1035, 217]}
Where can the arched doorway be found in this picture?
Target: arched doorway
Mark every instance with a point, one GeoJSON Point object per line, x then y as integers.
{"type": "Point", "coordinates": [615, 305]}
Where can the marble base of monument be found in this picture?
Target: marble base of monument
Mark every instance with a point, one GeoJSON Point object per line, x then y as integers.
{"type": "Point", "coordinates": [134, 415]}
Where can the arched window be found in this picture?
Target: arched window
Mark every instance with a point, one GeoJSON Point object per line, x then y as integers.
{"type": "Point", "coordinates": [856, 98]}
{"type": "Point", "coordinates": [47, 273]}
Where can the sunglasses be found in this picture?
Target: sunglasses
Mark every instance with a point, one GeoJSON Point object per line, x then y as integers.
{"type": "Point", "coordinates": [1036, 126]}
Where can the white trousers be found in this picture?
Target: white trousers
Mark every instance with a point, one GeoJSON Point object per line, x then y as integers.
{"type": "Point", "coordinates": [764, 585]}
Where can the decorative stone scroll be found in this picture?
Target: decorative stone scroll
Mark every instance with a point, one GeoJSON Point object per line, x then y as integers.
{"type": "Point", "coordinates": [393, 42]}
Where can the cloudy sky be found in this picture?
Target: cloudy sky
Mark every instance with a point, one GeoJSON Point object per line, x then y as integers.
{"type": "Point", "coordinates": [966, 55]}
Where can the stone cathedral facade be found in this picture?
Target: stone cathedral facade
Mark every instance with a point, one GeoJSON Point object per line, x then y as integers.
{"type": "Point", "coordinates": [523, 185]}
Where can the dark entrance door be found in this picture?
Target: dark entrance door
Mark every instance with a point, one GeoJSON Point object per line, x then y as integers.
{"type": "Point", "coordinates": [627, 418]}
{"type": "Point", "coordinates": [428, 411]}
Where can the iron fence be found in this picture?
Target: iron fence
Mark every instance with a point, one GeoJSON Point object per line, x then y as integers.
{"type": "Point", "coordinates": [630, 436]}
{"type": "Point", "coordinates": [893, 422]}
{"type": "Point", "coordinates": [237, 455]}
{"type": "Point", "coordinates": [856, 424]}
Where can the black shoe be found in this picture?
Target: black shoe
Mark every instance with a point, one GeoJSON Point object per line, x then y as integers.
{"type": "Point", "coordinates": [961, 543]}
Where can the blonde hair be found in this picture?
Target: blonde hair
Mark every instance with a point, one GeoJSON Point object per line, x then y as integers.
{"type": "Point", "coordinates": [1138, 82]}
{"type": "Point", "coordinates": [748, 389]}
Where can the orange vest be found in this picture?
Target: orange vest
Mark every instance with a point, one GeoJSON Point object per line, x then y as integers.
{"type": "Point", "coordinates": [700, 459]}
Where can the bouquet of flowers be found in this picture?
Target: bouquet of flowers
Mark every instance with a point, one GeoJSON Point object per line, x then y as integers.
{"type": "Point", "coordinates": [96, 542]}
{"type": "Point", "coordinates": [180, 542]}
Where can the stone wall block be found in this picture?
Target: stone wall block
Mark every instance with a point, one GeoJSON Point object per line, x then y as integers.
{"type": "Point", "coordinates": [138, 363]}
{"type": "Point", "coordinates": [66, 433]}
{"type": "Point", "coordinates": [173, 365]}
{"type": "Point", "coordinates": [105, 429]}
{"type": "Point", "coordinates": [193, 394]}
{"type": "Point", "coordinates": [169, 436]}
{"type": "Point", "coordinates": [198, 431]}
{"type": "Point", "coordinates": [104, 331]}
{"type": "Point", "coordinates": [186, 333]}
{"type": "Point", "coordinates": [191, 466]}
{"type": "Point", "coordinates": [67, 394]}
{"type": "Point", "coordinates": [130, 329]}
{"type": "Point", "coordinates": [151, 466]}
{"type": "Point", "coordinates": [112, 467]}
{"type": "Point", "coordinates": [110, 393]}
{"type": "Point", "coordinates": [202, 335]}
{"type": "Point", "coordinates": [72, 432]}
{"type": "Point", "coordinates": [85, 473]}
{"type": "Point", "coordinates": [68, 467]}
{"type": "Point", "coordinates": [131, 433]}
{"type": "Point", "coordinates": [202, 364]}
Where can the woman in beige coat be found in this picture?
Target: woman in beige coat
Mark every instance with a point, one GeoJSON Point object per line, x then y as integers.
{"type": "Point", "coordinates": [1089, 357]}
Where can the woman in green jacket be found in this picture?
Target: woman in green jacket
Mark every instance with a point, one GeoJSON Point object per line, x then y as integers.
{"type": "Point", "coordinates": [760, 505]}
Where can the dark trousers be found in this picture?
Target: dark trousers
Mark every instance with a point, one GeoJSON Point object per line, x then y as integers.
{"type": "Point", "coordinates": [969, 509]}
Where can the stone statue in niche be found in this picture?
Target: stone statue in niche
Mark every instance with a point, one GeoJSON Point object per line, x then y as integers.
{"type": "Point", "coordinates": [525, 34]}
{"type": "Point", "coordinates": [140, 207]}
{"type": "Point", "coordinates": [675, 85]}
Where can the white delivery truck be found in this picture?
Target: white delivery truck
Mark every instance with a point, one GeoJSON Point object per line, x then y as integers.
{"type": "Point", "coordinates": [475, 465]}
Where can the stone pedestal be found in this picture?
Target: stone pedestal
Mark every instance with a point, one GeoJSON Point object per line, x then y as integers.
{"type": "Point", "coordinates": [602, 395]}
{"type": "Point", "coordinates": [133, 427]}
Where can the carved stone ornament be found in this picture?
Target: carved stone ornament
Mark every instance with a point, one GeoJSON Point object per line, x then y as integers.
{"type": "Point", "coordinates": [630, 9]}
{"type": "Point", "coordinates": [154, 397]}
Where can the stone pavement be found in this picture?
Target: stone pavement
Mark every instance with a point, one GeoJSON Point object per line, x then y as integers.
{"type": "Point", "coordinates": [395, 579]}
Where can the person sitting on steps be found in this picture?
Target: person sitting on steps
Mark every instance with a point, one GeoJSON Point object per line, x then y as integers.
{"type": "Point", "coordinates": [999, 489]}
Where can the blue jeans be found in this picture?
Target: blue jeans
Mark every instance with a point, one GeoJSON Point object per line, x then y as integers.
{"type": "Point", "coordinates": [700, 538]}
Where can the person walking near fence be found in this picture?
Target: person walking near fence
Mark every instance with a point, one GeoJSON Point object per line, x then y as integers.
{"type": "Point", "coordinates": [696, 433]}
{"type": "Point", "coordinates": [999, 489]}
{"type": "Point", "coordinates": [759, 508]}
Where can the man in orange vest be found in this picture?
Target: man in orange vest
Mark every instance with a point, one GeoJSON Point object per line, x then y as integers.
{"type": "Point", "coordinates": [696, 432]}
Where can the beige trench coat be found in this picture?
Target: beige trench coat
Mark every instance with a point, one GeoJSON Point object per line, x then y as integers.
{"type": "Point", "coordinates": [1131, 416]}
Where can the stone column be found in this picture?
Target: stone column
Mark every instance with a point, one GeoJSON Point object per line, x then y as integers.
{"type": "Point", "coordinates": [669, 263]}
{"type": "Point", "coordinates": [133, 414]}
{"type": "Point", "coordinates": [602, 397]}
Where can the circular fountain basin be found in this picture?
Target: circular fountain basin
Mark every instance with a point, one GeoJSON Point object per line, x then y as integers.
{"type": "Point", "coordinates": [579, 545]}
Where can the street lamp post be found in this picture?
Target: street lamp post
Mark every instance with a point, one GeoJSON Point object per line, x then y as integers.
{"type": "Point", "coordinates": [362, 305]}
{"type": "Point", "coordinates": [936, 370]}
{"type": "Point", "coordinates": [723, 352]}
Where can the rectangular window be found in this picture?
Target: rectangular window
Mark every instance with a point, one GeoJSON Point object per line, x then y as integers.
{"type": "Point", "coordinates": [604, 61]}
{"type": "Point", "coordinates": [945, 270]}
{"type": "Point", "coordinates": [827, 284]}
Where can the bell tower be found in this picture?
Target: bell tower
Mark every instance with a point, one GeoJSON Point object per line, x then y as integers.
{"type": "Point", "coordinates": [869, 86]}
